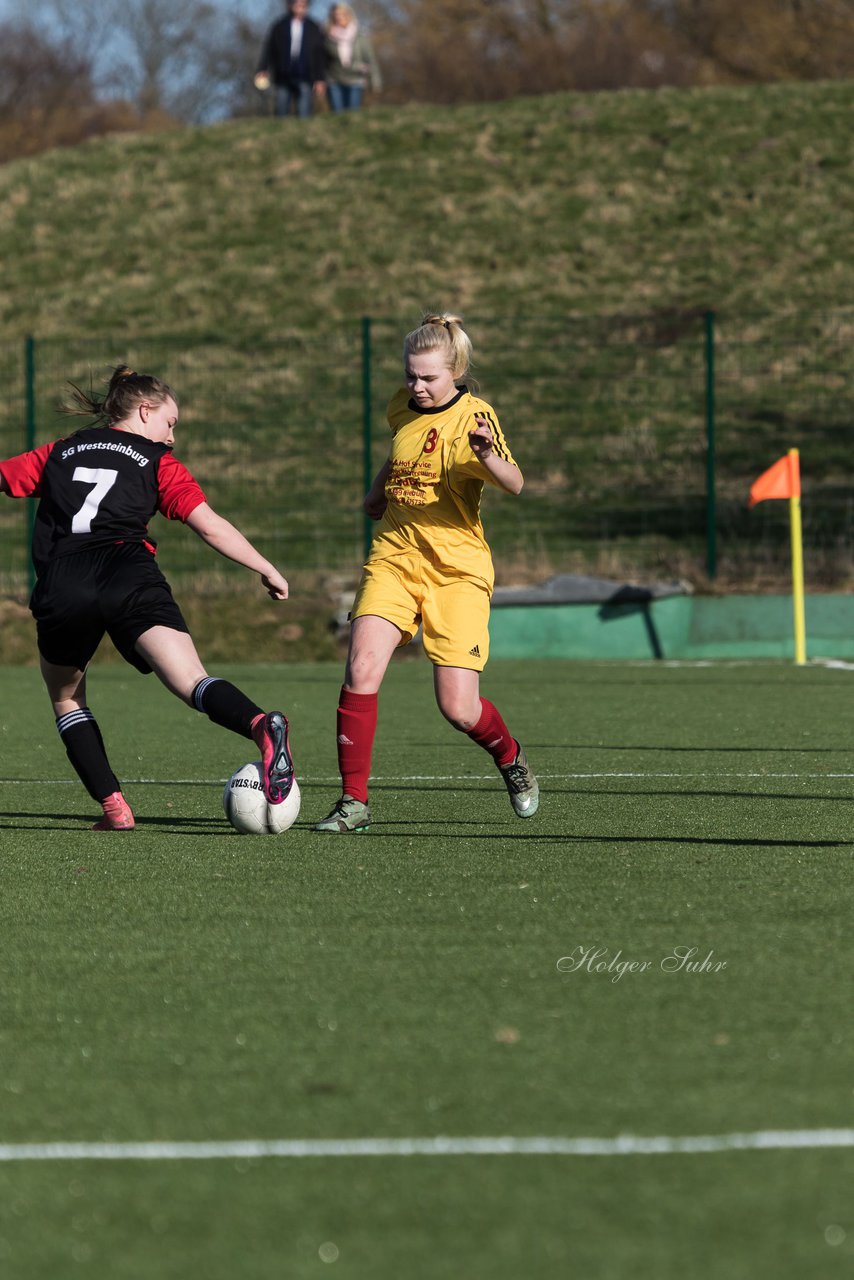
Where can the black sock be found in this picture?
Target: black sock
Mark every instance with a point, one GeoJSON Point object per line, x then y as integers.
{"type": "Point", "coordinates": [223, 703]}
{"type": "Point", "coordinates": [84, 747]}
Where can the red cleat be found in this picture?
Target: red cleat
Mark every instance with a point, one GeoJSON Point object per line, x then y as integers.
{"type": "Point", "coordinates": [270, 733]}
{"type": "Point", "coordinates": [118, 815]}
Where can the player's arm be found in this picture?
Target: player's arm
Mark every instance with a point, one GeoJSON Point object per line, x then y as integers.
{"type": "Point", "coordinates": [20, 477]}
{"type": "Point", "coordinates": [505, 474]}
{"type": "Point", "coordinates": [220, 534]}
{"type": "Point", "coordinates": [375, 501]}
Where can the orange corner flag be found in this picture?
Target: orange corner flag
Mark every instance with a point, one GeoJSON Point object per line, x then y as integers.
{"type": "Point", "coordinates": [783, 480]}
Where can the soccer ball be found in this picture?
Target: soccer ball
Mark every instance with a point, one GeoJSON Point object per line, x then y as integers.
{"type": "Point", "coordinates": [247, 808]}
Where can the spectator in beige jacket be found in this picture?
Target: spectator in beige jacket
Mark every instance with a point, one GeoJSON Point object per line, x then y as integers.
{"type": "Point", "coordinates": [351, 66]}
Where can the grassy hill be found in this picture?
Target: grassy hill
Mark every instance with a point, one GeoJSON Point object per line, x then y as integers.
{"type": "Point", "coordinates": [736, 199]}
{"type": "Point", "coordinates": [583, 237]}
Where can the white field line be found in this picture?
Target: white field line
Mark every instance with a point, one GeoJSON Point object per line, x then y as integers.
{"type": "Point", "coordinates": [336, 1148]}
{"type": "Point", "coordinates": [446, 777]}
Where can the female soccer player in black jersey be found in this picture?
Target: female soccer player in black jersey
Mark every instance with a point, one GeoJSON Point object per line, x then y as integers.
{"type": "Point", "coordinates": [430, 564]}
{"type": "Point", "coordinates": [96, 574]}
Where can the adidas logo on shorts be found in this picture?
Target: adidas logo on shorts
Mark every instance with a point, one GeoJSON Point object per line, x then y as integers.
{"type": "Point", "coordinates": [475, 652]}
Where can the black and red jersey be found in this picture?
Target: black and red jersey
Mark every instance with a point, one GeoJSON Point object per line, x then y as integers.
{"type": "Point", "coordinates": [97, 487]}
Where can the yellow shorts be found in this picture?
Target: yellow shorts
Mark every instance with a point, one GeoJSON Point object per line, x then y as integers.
{"type": "Point", "coordinates": [453, 612]}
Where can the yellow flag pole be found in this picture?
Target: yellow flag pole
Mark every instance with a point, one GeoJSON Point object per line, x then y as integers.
{"type": "Point", "coordinates": [797, 570]}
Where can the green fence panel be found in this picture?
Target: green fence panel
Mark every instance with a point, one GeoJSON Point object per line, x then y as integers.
{"type": "Point", "coordinates": [609, 418]}
{"type": "Point", "coordinates": [782, 385]}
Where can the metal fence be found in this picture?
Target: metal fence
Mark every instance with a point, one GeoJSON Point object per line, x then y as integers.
{"type": "Point", "coordinates": [638, 435]}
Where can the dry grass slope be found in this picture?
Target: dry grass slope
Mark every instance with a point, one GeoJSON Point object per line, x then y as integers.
{"type": "Point", "coordinates": [735, 199]}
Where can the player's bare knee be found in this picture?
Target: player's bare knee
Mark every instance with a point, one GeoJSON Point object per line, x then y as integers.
{"type": "Point", "coordinates": [364, 674]}
{"type": "Point", "coordinates": [181, 683]}
{"type": "Point", "coordinates": [457, 713]}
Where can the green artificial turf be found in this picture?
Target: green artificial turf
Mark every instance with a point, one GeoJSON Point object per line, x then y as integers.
{"type": "Point", "coordinates": [183, 983]}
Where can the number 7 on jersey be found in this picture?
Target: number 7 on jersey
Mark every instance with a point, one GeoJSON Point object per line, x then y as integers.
{"type": "Point", "coordinates": [102, 480]}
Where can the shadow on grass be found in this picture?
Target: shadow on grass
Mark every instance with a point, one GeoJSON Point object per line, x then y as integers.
{"type": "Point", "coordinates": [78, 822]}
{"type": "Point", "coordinates": [711, 842]}
{"type": "Point", "coordinates": [396, 830]}
{"type": "Point", "coordinates": [774, 751]}
{"type": "Point", "coordinates": [695, 795]}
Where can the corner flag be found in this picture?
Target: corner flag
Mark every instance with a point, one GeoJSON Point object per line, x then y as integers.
{"type": "Point", "coordinates": [783, 480]}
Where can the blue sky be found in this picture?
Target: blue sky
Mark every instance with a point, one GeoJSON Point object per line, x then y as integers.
{"type": "Point", "coordinates": [259, 10]}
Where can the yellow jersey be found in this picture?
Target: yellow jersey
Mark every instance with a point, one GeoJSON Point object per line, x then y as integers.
{"type": "Point", "coordinates": [434, 486]}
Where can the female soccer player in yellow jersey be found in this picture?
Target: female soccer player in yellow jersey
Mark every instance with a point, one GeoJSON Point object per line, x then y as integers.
{"type": "Point", "coordinates": [429, 563]}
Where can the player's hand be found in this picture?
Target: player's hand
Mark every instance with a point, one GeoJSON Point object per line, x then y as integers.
{"type": "Point", "coordinates": [276, 585]}
{"type": "Point", "coordinates": [375, 505]}
{"type": "Point", "coordinates": [480, 439]}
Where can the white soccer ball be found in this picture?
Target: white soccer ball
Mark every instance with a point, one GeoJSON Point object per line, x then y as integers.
{"type": "Point", "coordinates": [248, 809]}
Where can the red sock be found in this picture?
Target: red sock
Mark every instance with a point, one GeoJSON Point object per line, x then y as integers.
{"type": "Point", "coordinates": [357, 724]}
{"type": "Point", "coordinates": [492, 734]}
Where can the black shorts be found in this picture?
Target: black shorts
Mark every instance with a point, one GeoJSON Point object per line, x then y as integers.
{"type": "Point", "coordinates": [117, 590]}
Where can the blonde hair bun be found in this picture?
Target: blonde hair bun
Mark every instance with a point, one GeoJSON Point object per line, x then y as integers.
{"type": "Point", "coordinates": [441, 331]}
